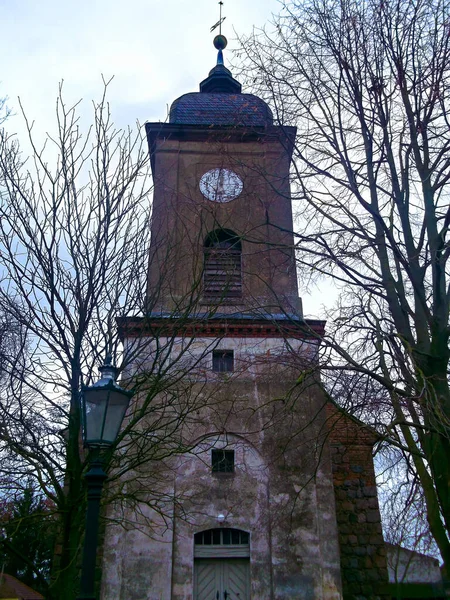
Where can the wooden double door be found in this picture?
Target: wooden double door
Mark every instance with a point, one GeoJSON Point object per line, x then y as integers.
{"type": "Point", "coordinates": [222, 579]}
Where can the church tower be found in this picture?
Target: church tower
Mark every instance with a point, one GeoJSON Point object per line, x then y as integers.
{"type": "Point", "coordinates": [222, 219]}
{"type": "Point", "coordinates": [244, 509]}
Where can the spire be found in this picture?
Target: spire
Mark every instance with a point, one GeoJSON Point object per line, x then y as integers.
{"type": "Point", "coordinates": [220, 78]}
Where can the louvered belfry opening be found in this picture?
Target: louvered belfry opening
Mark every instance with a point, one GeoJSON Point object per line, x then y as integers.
{"type": "Point", "coordinates": [222, 274]}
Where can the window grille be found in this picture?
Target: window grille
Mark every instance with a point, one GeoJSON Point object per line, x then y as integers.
{"type": "Point", "coordinates": [221, 537]}
{"type": "Point", "coordinates": [222, 461]}
{"type": "Point", "coordinates": [223, 361]}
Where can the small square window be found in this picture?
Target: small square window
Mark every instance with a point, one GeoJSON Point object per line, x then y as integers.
{"type": "Point", "coordinates": [223, 361]}
{"type": "Point", "coordinates": [222, 461]}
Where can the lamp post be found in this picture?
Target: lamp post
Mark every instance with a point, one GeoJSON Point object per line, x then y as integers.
{"type": "Point", "coordinates": [103, 406]}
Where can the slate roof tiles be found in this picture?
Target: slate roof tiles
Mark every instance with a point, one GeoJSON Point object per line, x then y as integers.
{"type": "Point", "coordinates": [200, 108]}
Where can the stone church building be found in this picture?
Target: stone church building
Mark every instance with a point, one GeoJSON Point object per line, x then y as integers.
{"type": "Point", "coordinates": [272, 495]}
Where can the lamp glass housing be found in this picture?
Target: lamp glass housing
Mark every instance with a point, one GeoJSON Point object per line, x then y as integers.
{"type": "Point", "coordinates": [104, 408]}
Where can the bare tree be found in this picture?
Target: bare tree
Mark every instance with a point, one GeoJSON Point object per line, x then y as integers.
{"type": "Point", "coordinates": [74, 244]}
{"type": "Point", "coordinates": [368, 84]}
{"type": "Point", "coordinates": [5, 111]}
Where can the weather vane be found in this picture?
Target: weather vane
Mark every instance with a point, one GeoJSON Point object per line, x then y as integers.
{"type": "Point", "coordinates": [220, 41]}
{"type": "Point", "coordinates": [220, 21]}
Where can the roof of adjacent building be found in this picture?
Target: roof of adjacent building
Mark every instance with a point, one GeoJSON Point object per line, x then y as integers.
{"type": "Point", "coordinates": [220, 102]}
{"type": "Point", "coordinates": [10, 588]}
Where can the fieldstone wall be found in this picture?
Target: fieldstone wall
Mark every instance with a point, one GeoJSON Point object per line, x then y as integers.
{"type": "Point", "coordinates": [363, 552]}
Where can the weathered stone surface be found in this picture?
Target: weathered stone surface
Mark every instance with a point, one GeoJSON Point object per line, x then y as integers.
{"type": "Point", "coordinates": [283, 496]}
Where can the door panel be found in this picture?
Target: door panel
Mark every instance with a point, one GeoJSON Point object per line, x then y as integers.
{"type": "Point", "coordinates": [222, 579]}
{"type": "Point", "coordinates": [236, 579]}
{"type": "Point", "coordinates": [206, 580]}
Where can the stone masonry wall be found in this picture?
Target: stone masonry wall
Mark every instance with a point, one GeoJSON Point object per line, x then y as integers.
{"type": "Point", "coordinates": [363, 553]}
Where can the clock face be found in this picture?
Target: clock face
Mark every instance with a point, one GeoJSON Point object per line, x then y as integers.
{"type": "Point", "coordinates": [221, 185]}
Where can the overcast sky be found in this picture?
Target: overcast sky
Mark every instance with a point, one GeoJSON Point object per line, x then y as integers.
{"type": "Point", "coordinates": [156, 50]}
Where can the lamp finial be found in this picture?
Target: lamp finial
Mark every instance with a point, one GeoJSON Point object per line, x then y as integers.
{"type": "Point", "coordinates": [108, 370]}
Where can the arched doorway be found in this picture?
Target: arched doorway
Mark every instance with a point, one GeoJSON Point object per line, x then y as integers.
{"type": "Point", "coordinates": [222, 564]}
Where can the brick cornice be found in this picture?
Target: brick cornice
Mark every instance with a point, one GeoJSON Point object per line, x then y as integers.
{"type": "Point", "coordinates": [135, 327]}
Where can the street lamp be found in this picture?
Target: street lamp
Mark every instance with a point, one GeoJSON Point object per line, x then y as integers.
{"type": "Point", "coordinates": [103, 406]}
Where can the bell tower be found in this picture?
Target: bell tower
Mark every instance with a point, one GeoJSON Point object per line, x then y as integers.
{"type": "Point", "coordinates": [222, 218]}
{"type": "Point", "coordinates": [248, 501]}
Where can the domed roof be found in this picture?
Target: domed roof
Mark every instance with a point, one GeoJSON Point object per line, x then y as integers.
{"type": "Point", "coordinates": [220, 102]}
{"type": "Point", "coordinates": [202, 108]}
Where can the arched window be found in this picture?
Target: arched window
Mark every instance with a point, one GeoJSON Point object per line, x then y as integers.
{"type": "Point", "coordinates": [222, 274]}
{"type": "Point", "coordinates": [222, 542]}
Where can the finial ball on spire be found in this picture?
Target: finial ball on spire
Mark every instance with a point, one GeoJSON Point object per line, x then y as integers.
{"type": "Point", "coordinates": [220, 42]}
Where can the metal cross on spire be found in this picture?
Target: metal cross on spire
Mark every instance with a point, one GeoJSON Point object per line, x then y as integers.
{"type": "Point", "coordinates": [220, 21]}
{"type": "Point", "coordinates": [220, 17]}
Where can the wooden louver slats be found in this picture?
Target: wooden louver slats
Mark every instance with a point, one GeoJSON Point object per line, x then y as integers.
{"type": "Point", "coordinates": [222, 273]}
